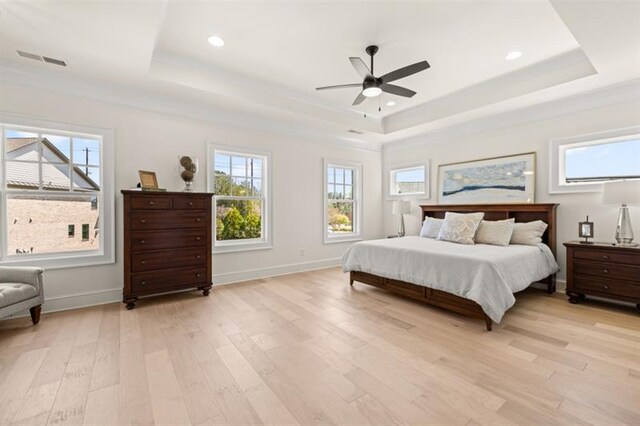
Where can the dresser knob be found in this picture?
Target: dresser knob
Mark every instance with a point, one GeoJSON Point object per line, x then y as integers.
{"type": "Point", "coordinates": [144, 262]}
{"type": "Point", "coordinates": [198, 219]}
{"type": "Point", "coordinates": [143, 220]}
{"type": "Point", "coordinates": [151, 203]}
{"type": "Point", "coordinates": [198, 238]}
{"type": "Point", "coordinates": [606, 271]}
{"type": "Point", "coordinates": [143, 283]}
{"type": "Point", "coordinates": [198, 275]}
{"type": "Point", "coordinates": [190, 203]}
{"type": "Point", "coordinates": [605, 287]}
{"type": "Point", "coordinates": [605, 257]}
{"type": "Point", "coordinates": [198, 257]}
{"type": "Point", "coordinates": [143, 241]}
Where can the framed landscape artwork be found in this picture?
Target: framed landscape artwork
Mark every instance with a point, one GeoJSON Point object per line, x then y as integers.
{"type": "Point", "coordinates": [508, 179]}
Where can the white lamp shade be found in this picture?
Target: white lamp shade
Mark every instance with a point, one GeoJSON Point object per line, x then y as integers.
{"type": "Point", "coordinates": [621, 192]}
{"type": "Point", "coordinates": [401, 207]}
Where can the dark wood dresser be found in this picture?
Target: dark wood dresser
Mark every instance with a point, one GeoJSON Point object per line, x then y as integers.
{"type": "Point", "coordinates": [167, 243]}
{"type": "Point", "coordinates": [603, 270]}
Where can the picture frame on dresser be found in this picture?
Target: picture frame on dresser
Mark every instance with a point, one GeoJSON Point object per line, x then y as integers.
{"type": "Point", "coordinates": [167, 243]}
{"type": "Point", "coordinates": [603, 270]}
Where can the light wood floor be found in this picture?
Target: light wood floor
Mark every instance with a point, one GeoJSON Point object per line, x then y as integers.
{"type": "Point", "coordinates": [306, 349]}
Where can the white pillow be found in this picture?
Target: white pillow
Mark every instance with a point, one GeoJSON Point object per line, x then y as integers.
{"type": "Point", "coordinates": [459, 227]}
{"type": "Point", "coordinates": [495, 232]}
{"type": "Point", "coordinates": [431, 227]}
{"type": "Point", "coordinates": [529, 233]}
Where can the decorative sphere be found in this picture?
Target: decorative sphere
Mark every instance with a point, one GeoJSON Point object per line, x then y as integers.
{"type": "Point", "coordinates": [186, 162]}
{"type": "Point", "coordinates": [187, 176]}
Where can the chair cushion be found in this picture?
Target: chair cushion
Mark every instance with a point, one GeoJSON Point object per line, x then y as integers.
{"type": "Point", "coordinates": [11, 293]}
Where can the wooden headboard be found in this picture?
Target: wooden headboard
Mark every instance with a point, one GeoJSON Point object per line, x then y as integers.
{"type": "Point", "coordinates": [545, 212]}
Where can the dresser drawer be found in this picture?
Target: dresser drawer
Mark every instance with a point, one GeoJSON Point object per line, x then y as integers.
{"type": "Point", "coordinates": [168, 259]}
{"type": "Point", "coordinates": [168, 279]}
{"type": "Point", "coordinates": [151, 219]}
{"type": "Point", "coordinates": [606, 287]}
{"type": "Point", "coordinates": [150, 202]}
{"type": "Point", "coordinates": [188, 203]}
{"type": "Point", "coordinates": [158, 240]}
{"type": "Point", "coordinates": [607, 270]}
{"type": "Point", "coordinates": [607, 256]}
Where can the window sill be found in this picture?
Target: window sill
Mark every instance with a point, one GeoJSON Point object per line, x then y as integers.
{"type": "Point", "coordinates": [66, 262]}
{"type": "Point", "coordinates": [349, 239]}
{"type": "Point", "coordinates": [235, 248]}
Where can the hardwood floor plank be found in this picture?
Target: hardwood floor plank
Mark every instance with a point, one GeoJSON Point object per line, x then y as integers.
{"type": "Point", "coordinates": [166, 398]}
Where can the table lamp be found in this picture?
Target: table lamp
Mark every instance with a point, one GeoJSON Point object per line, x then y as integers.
{"type": "Point", "coordinates": [401, 208]}
{"type": "Point", "coordinates": [624, 193]}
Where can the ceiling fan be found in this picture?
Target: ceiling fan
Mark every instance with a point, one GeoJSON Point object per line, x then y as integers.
{"type": "Point", "coordinates": [373, 86]}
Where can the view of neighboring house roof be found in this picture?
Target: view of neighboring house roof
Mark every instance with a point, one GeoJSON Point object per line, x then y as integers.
{"type": "Point", "coordinates": [22, 167]}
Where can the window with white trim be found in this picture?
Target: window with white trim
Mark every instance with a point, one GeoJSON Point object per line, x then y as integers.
{"type": "Point", "coordinates": [53, 176]}
{"type": "Point", "coordinates": [409, 180]}
{"type": "Point", "coordinates": [342, 201]}
{"type": "Point", "coordinates": [583, 163]}
{"type": "Point", "coordinates": [240, 183]}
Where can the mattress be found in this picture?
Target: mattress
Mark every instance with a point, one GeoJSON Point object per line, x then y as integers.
{"type": "Point", "coordinates": [488, 275]}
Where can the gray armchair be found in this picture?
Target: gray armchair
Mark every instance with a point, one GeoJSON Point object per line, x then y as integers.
{"type": "Point", "coordinates": [20, 289]}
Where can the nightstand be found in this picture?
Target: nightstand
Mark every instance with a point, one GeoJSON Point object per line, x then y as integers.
{"type": "Point", "coordinates": [603, 270]}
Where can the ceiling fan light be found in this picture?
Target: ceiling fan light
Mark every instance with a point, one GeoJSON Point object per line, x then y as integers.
{"type": "Point", "coordinates": [372, 92]}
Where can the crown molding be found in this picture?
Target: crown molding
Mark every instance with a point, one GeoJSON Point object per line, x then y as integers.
{"type": "Point", "coordinates": [628, 91]}
{"type": "Point", "coordinates": [148, 101]}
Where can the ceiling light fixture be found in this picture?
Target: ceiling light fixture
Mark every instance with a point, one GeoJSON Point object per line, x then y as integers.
{"type": "Point", "coordinates": [391, 103]}
{"type": "Point", "coordinates": [513, 55]}
{"type": "Point", "coordinates": [216, 41]}
{"type": "Point", "coordinates": [372, 92]}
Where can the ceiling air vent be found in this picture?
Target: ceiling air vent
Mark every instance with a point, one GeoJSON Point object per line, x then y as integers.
{"type": "Point", "coordinates": [357, 132]}
{"type": "Point", "coordinates": [42, 58]}
{"type": "Point", "coordinates": [29, 55]}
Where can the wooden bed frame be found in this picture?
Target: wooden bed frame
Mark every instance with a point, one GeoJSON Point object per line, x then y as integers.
{"type": "Point", "coordinates": [520, 212]}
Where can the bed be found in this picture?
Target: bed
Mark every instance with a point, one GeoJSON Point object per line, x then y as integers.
{"type": "Point", "coordinates": [478, 281]}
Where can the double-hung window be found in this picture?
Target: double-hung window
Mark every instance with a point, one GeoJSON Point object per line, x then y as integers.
{"type": "Point", "coordinates": [51, 178]}
{"type": "Point", "coordinates": [583, 163]}
{"type": "Point", "coordinates": [342, 201]}
{"type": "Point", "coordinates": [241, 186]}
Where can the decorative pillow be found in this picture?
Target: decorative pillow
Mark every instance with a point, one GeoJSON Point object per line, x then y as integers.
{"type": "Point", "coordinates": [495, 232]}
{"type": "Point", "coordinates": [460, 228]}
{"type": "Point", "coordinates": [431, 227]}
{"type": "Point", "coordinates": [529, 233]}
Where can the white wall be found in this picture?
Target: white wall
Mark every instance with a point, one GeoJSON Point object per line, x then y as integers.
{"type": "Point", "coordinates": [153, 141]}
{"type": "Point", "coordinates": [517, 139]}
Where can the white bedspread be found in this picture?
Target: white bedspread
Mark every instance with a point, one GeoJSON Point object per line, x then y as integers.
{"type": "Point", "coordinates": [488, 275]}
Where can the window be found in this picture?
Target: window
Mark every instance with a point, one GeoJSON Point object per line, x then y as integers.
{"type": "Point", "coordinates": [240, 182]}
{"type": "Point", "coordinates": [408, 180]}
{"type": "Point", "coordinates": [52, 176]}
{"type": "Point", "coordinates": [342, 205]}
{"type": "Point", "coordinates": [583, 163]}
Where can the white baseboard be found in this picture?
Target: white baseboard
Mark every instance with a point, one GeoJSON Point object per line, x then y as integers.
{"type": "Point", "coordinates": [273, 271]}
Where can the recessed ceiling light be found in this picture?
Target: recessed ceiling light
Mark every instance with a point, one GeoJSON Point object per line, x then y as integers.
{"type": "Point", "coordinates": [216, 41]}
{"type": "Point", "coordinates": [513, 55]}
{"type": "Point", "coordinates": [391, 103]}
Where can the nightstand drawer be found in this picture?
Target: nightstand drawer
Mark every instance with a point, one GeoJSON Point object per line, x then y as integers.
{"type": "Point", "coordinates": [606, 256]}
{"type": "Point", "coordinates": [607, 287]}
{"type": "Point", "coordinates": [607, 270]}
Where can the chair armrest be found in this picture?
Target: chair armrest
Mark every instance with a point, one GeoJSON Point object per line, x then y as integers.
{"type": "Point", "coordinates": [26, 275]}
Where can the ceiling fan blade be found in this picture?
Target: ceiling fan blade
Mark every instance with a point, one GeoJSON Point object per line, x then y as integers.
{"type": "Point", "coordinates": [405, 71]}
{"type": "Point", "coordinates": [360, 67]}
{"type": "Point", "coordinates": [359, 99]}
{"type": "Point", "coordinates": [397, 90]}
{"type": "Point", "coordinates": [340, 86]}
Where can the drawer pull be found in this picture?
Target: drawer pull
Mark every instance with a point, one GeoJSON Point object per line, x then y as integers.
{"type": "Point", "coordinates": [198, 275]}
{"type": "Point", "coordinates": [198, 257]}
{"type": "Point", "coordinates": [191, 203]}
{"type": "Point", "coordinates": [606, 287]}
{"type": "Point", "coordinates": [144, 262]}
{"type": "Point", "coordinates": [143, 283]}
{"type": "Point", "coordinates": [606, 271]}
{"type": "Point", "coordinates": [151, 203]}
{"type": "Point", "coordinates": [143, 241]}
{"type": "Point", "coordinates": [143, 220]}
{"type": "Point", "coordinates": [605, 257]}
{"type": "Point", "coordinates": [198, 238]}
{"type": "Point", "coordinates": [198, 219]}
